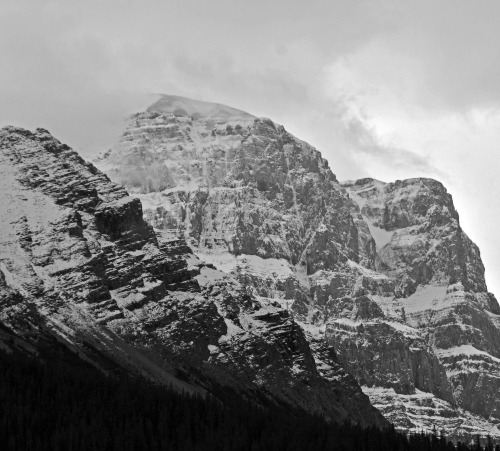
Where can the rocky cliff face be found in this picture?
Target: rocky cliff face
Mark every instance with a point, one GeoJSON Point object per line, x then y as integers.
{"type": "Point", "coordinates": [246, 186]}
{"type": "Point", "coordinates": [379, 276]}
{"type": "Point", "coordinates": [81, 269]}
{"type": "Point", "coordinates": [439, 278]}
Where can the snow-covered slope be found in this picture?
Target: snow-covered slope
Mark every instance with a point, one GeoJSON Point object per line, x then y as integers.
{"type": "Point", "coordinates": [361, 266]}
{"type": "Point", "coordinates": [79, 267]}
{"type": "Point", "coordinates": [197, 109]}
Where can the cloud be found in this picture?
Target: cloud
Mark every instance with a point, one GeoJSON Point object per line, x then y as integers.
{"type": "Point", "coordinates": [365, 143]}
{"type": "Point", "coordinates": [454, 42]}
{"type": "Point", "coordinates": [260, 88]}
{"type": "Point", "coordinates": [445, 49]}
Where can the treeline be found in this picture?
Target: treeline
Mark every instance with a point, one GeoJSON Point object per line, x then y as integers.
{"type": "Point", "coordinates": [70, 406]}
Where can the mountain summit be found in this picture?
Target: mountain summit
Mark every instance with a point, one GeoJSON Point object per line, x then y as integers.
{"type": "Point", "coordinates": [197, 109]}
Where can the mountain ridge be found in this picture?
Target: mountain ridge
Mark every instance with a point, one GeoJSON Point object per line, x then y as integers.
{"type": "Point", "coordinates": [81, 268]}
{"type": "Point", "coordinates": [352, 261]}
{"type": "Point", "coordinates": [221, 250]}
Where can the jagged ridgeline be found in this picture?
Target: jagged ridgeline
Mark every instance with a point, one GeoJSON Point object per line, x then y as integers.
{"type": "Point", "coordinates": [379, 278]}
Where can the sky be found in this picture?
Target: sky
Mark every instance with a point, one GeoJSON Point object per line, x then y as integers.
{"type": "Point", "coordinates": [389, 89]}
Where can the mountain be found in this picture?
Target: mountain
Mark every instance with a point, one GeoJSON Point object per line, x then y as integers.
{"type": "Point", "coordinates": [438, 278]}
{"type": "Point", "coordinates": [379, 276]}
{"type": "Point", "coordinates": [81, 272]}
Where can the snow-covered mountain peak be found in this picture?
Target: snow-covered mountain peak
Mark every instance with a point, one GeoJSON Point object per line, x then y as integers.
{"type": "Point", "coordinates": [197, 109]}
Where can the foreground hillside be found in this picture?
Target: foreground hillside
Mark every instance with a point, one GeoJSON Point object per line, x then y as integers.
{"type": "Point", "coordinates": [67, 404]}
{"type": "Point", "coordinates": [380, 275]}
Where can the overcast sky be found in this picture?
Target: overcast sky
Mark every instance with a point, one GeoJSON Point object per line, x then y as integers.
{"type": "Point", "coordinates": [387, 89]}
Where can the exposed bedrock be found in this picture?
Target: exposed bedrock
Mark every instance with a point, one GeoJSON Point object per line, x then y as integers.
{"type": "Point", "coordinates": [79, 264]}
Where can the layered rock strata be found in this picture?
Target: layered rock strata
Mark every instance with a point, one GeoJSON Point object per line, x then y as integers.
{"type": "Point", "coordinates": [79, 266]}
{"type": "Point", "coordinates": [439, 282]}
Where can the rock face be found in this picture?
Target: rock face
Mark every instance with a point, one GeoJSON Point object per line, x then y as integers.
{"type": "Point", "coordinates": [379, 276]}
{"type": "Point", "coordinates": [245, 185]}
{"type": "Point", "coordinates": [439, 278]}
{"type": "Point", "coordinates": [80, 268]}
